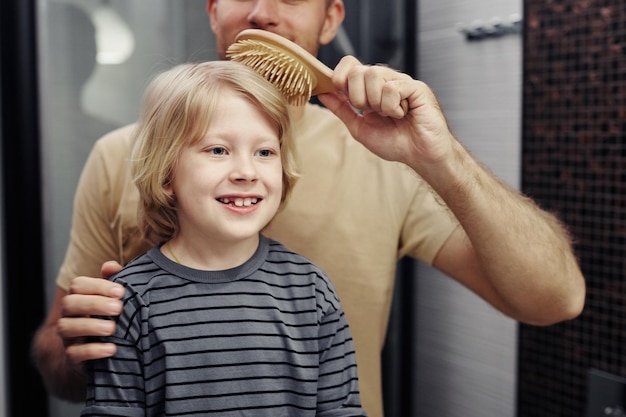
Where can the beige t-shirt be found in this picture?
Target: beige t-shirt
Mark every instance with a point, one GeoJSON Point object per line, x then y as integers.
{"type": "Point", "coordinates": [351, 213]}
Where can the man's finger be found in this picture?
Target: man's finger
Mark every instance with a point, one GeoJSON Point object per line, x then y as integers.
{"type": "Point", "coordinates": [83, 352]}
{"type": "Point", "coordinates": [78, 305]}
{"type": "Point", "coordinates": [95, 286]}
{"type": "Point", "coordinates": [109, 268]}
{"type": "Point", "coordinates": [74, 327]}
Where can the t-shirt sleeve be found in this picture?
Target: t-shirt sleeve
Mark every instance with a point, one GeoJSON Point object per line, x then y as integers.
{"type": "Point", "coordinates": [428, 224]}
{"type": "Point", "coordinates": [116, 384]}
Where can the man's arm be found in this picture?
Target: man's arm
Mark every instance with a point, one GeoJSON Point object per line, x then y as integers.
{"type": "Point", "coordinates": [510, 252]}
{"type": "Point", "coordinates": [61, 363]}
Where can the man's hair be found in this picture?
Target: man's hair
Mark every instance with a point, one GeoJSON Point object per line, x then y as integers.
{"type": "Point", "coordinates": [177, 112]}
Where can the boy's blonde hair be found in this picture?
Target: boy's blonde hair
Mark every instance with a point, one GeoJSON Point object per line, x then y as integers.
{"type": "Point", "coordinates": [176, 113]}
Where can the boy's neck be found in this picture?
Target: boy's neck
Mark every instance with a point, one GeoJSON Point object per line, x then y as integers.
{"type": "Point", "coordinates": [210, 256]}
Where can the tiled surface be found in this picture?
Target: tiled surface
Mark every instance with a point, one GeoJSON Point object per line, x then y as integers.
{"type": "Point", "coordinates": [574, 163]}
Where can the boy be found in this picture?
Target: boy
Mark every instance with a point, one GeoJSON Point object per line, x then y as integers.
{"type": "Point", "coordinates": [218, 319]}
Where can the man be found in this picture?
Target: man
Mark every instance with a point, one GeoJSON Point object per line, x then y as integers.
{"type": "Point", "coordinates": [353, 213]}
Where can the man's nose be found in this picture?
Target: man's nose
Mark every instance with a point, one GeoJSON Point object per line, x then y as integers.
{"type": "Point", "coordinates": [264, 14]}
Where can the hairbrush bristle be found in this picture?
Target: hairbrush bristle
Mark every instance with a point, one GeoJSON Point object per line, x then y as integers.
{"type": "Point", "coordinates": [292, 77]}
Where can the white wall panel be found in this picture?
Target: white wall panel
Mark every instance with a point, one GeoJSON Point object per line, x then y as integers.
{"type": "Point", "coordinates": [466, 351]}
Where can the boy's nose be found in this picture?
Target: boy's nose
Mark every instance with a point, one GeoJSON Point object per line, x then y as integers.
{"type": "Point", "coordinates": [244, 170]}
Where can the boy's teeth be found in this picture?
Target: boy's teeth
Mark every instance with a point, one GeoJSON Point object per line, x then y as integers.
{"type": "Point", "coordinates": [240, 202]}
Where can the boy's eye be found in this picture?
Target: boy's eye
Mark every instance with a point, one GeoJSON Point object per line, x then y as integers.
{"type": "Point", "coordinates": [217, 151]}
{"type": "Point", "coordinates": [265, 152]}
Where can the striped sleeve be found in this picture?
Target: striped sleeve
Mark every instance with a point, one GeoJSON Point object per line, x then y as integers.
{"type": "Point", "coordinates": [338, 388]}
{"type": "Point", "coordinates": [116, 384]}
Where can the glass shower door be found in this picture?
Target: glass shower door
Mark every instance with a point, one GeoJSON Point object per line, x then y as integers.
{"type": "Point", "coordinates": [95, 58]}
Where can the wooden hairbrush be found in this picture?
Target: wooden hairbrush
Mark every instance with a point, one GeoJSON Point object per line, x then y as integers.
{"type": "Point", "coordinates": [291, 68]}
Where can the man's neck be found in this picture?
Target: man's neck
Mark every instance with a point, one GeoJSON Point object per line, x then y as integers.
{"type": "Point", "coordinates": [297, 112]}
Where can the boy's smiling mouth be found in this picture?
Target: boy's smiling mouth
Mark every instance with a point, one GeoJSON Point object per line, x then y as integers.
{"type": "Point", "coordinates": [239, 201]}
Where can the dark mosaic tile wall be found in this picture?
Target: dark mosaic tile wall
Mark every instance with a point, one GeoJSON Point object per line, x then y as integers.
{"type": "Point", "coordinates": [574, 163]}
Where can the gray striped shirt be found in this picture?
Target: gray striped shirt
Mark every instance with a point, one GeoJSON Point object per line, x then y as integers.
{"type": "Point", "coordinates": [267, 338]}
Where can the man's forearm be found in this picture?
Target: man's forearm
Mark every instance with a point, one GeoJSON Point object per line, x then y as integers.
{"type": "Point", "coordinates": [524, 252]}
{"type": "Point", "coordinates": [62, 379]}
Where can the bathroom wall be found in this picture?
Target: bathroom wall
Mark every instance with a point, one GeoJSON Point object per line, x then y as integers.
{"type": "Point", "coordinates": [574, 163]}
{"type": "Point", "coordinates": [465, 351]}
